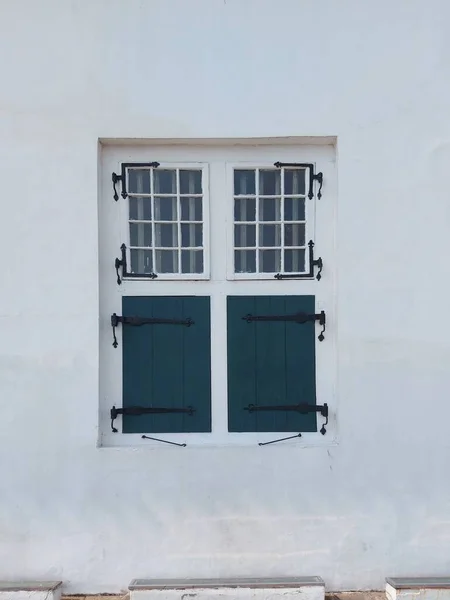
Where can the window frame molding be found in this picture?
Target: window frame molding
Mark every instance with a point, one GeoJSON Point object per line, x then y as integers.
{"type": "Point", "coordinates": [123, 210]}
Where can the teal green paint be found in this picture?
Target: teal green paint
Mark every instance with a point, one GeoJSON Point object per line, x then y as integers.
{"type": "Point", "coordinates": [167, 365]}
{"type": "Point", "coordinates": [270, 363]}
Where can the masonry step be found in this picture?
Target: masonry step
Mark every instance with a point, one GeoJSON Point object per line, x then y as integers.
{"type": "Point", "coordinates": [418, 588]}
{"type": "Point", "coordinates": [254, 588]}
{"type": "Point", "coordinates": [30, 590]}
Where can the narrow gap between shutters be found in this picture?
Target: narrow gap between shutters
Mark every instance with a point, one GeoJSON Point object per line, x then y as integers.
{"type": "Point", "coordinates": [312, 176]}
{"type": "Point", "coordinates": [123, 176]}
{"type": "Point", "coordinates": [299, 318]}
{"type": "Point", "coordinates": [313, 262]}
{"type": "Point", "coordinates": [122, 263]}
{"type": "Point", "coordinates": [138, 321]}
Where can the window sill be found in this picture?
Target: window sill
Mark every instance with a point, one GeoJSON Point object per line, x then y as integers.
{"type": "Point", "coordinates": [218, 440]}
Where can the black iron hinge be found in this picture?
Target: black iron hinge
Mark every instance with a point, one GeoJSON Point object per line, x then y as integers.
{"type": "Point", "coordinates": [312, 176]}
{"type": "Point", "coordinates": [138, 321]}
{"type": "Point", "coordinates": [122, 263]}
{"type": "Point", "coordinates": [299, 318]}
{"type": "Point", "coordinates": [299, 408]}
{"type": "Point", "coordinates": [123, 176]}
{"type": "Point", "coordinates": [137, 411]}
{"type": "Point", "coordinates": [313, 262]}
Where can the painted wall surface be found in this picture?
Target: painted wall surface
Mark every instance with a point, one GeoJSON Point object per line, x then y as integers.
{"type": "Point", "coordinates": [376, 75]}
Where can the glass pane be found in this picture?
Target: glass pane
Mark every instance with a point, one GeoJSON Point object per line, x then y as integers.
{"type": "Point", "coordinates": [294, 234]}
{"type": "Point", "coordinates": [165, 209]}
{"type": "Point", "coordinates": [190, 182]}
{"type": "Point", "coordinates": [294, 261]}
{"type": "Point", "coordinates": [294, 181]}
{"type": "Point", "coordinates": [166, 236]}
{"type": "Point", "coordinates": [192, 261]}
{"type": "Point", "coordinates": [166, 261]}
{"type": "Point", "coordinates": [245, 209]}
{"type": "Point", "coordinates": [140, 208]}
{"type": "Point", "coordinates": [269, 235]}
{"type": "Point", "coordinates": [191, 209]}
{"type": "Point", "coordinates": [244, 235]}
{"type": "Point", "coordinates": [165, 181]}
{"type": "Point", "coordinates": [270, 209]}
{"type": "Point", "coordinates": [269, 261]}
{"type": "Point", "coordinates": [139, 181]}
{"type": "Point", "coordinates": [191, 235]}
{"type": "Point", "coordinates": [140, 234]}
{"type": "Point", "coordinates": [269, 182]}
{"type": "Point", "coordinates": [141, 261]}
{"type": "Point", "coordinates": [245, 261]}
{"type": "Point", "coordinates": [294, 209]}
{"type": "Point", "coordinates": [244, 182]}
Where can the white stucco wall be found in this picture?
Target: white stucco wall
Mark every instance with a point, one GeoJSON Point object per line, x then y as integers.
{"type": "Point", "coordinates": [376, 75]}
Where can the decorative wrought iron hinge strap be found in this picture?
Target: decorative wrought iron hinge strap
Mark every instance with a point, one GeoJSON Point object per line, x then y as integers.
{"type": "Point", "coordinates": [301, 408]}
{"type": "Point", "coordinates": [138, 321]}
{"type": "Point", "coordinates": [312, 176]}
{"type": "Point", "coordinates": [137, 411]}
{"type": "Point", "coordinates": [122, 263]}
{"type": "Point", "coordinates": [313, 262]}
{"type": "Point", "coordinates": [123, 176]}
{"type": "Point", "coordinates": [299, 318]}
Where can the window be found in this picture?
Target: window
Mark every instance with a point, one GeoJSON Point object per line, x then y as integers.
{"type": "Point", "coordinates": [215, 322]}
{"type": "Point", "coordinates": [166, 222]}
{"type": "Point", "coordinates": [269, 221]}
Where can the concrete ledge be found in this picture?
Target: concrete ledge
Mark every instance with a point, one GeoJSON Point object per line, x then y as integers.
{"type": "Point", "coordinates": [418, 588]}
{"type": "Point", "coordinates": [30, 590]}
{"type": "Point", "coordinates": [246, 588]}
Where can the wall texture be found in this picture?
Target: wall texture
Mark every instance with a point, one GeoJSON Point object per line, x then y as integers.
{"type": "Point", "coordinates": [376, 75]}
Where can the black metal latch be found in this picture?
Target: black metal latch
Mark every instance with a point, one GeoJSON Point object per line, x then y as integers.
{"type": "Point", "coordinates": [122, 262]}
{"type": "Point", "coordinates": [138, 321]}
{"type": "Point", "coordinates": [313, 262]}
{"type": "Point", "coordinates": [312, 176]}
{"type": "Point", "coordinates": [123, 176]}
{"type": "Point", "coordinates": [137, 411]}
{"type": "Point", "coordinates": [300, 408]}
{"type": "Point", "coordinates": [299, 317]}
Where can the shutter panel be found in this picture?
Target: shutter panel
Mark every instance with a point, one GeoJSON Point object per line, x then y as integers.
{"type": "Point", "coordinates": [270, 364]}
{"type": "Point", "coordinates": [166, 365]}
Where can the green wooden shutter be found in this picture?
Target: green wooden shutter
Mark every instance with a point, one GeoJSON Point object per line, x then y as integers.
{"type": "Point", "coordinates": [270, 363]}
{"type": "Point", "coordinates": [167, 366]}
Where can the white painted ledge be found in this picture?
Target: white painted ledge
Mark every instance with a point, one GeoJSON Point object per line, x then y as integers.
{"type": "Point", "coordinates": [285, 588]}
{"type": "Point", "coordinates": [30, 590]}
{"type": "Point", "coordinates": [418, 588]}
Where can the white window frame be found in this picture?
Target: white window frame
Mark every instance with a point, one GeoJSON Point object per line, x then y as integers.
{"type": "Point", "coordinates": [310, 219]}
{"type": "Point", "coordinates": [125, 230]}
{"type": "Point", "coordinates": [219, 157]}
